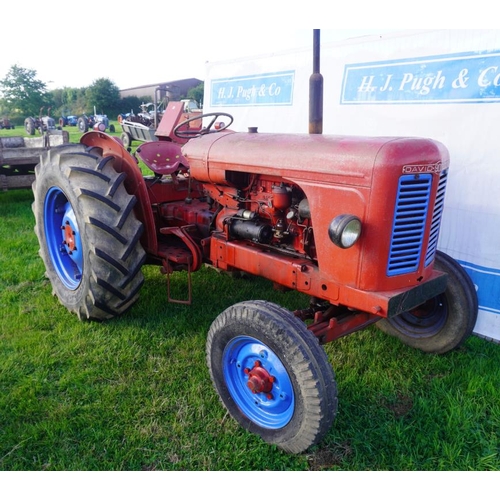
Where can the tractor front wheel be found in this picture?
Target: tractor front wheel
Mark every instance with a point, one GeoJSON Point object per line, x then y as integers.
{"type": "Point", "coordinates": [443, 323]}
{"type": "Point", "coordinates": [126, 140]}
{"type": "Point", "coordinates": [272, 375]}
{"type": "Point", "coordinates": [88, 233]}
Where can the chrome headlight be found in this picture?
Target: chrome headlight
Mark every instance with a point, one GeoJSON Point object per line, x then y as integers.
{"type": "Point", "coordinates": [344, 230]}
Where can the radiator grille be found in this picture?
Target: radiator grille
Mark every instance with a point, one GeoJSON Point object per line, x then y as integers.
{"type": "Point", "coordinates": [436, 218]}
{"type": "Point", "coordinates": [408, 228]}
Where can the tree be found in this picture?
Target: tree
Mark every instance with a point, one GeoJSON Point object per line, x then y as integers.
{"type": "Point", "coordinates": [104, 95]}
{"type": "Point", "coordinates": [23, 92]}
{"type": "Point", "coordinates": [70, 101]}
{"type": "Point", "coordinates": [130, 103]}
{"type": "Point", "coordinates": [196, 93]}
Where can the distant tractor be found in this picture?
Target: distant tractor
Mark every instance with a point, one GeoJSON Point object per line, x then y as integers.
{"type": "Point", "coordinates": [41, 124]}
{"type": "Point", "coordinates": [5, 123]}
{"type": "Point", "coordinates": [70, 120]}
{"type": "Point", "coordinates": [94, 122]}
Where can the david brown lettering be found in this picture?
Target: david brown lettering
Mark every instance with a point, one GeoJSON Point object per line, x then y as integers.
{"type": "Point", "coordinates": [423, 169]}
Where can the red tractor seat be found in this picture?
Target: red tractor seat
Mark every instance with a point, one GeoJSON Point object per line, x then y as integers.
{"type": "Point", "coordinates": [162, 157]}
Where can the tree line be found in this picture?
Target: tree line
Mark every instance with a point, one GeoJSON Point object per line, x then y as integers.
{"type": "Point", "coordinates": [22, 94]}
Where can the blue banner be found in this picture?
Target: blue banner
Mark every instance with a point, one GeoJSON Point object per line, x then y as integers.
{"type": "Point", "coordinates": [270, 89]}
{"type": "Point", "coordinates": [472, 77]}
{"type": "Point", "coordinates": [487, 283]}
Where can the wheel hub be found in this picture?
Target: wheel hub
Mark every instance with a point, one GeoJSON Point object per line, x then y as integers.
{"type": "Point", "coordinates": [69, 237]}
{"type": "Point", "coordinates": [426, 309]}
{"type": "Point", "coordinates": [259, 380]}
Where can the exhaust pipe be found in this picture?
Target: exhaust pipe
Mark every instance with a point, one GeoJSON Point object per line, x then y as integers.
{"type": "Point", "coordinates": [316, 90]}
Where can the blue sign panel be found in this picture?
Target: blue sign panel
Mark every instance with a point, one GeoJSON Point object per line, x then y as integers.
{"type": "Point", "coordinates": [456, 78]}
{"type": "Point", "coordinates": [270, 89]}
{"type": "Point", "coordinates": [487, 283]}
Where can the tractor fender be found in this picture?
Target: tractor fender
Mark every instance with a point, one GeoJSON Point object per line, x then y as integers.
{"type": "Point", "coordinates": [134, 183]}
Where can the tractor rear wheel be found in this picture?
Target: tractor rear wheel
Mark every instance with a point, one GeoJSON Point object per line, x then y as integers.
{"type": "Point", "coordinates": [443, 323]}
{"type": "Point", "coordinates": [272, 375]}
{"type": "Point", "coordinates": [29, 126]}
{"type": "Point", "coordinates": [88, 233]}
{"type": "Point", "coordinates": [82, 124]}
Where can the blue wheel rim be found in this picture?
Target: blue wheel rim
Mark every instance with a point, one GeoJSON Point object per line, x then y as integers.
{"type": "Point", "coordinates": [272, 409]}
{"type": "Point", "coordinates": [63, 238]}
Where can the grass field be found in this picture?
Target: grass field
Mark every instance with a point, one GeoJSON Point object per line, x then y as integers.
{"type": "Point", "coordinates": [134, 393]}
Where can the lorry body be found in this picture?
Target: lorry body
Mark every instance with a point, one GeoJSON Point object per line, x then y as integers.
{"type": "Point", "coordinates": [19, 155]}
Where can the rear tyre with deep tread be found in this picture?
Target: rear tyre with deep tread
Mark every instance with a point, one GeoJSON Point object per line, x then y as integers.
{"type": "Point", "coordinates": [29, 126]}
{"type": "Point", "coordinates": [272, 375]}
{"type": "Point", "coordinates": [88, 233]}
{"type": "Point", "coordinates": [82, 124]}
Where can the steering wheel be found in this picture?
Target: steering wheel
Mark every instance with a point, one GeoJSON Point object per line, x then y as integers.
{"type": "Point", "coordinates": [189, 134]}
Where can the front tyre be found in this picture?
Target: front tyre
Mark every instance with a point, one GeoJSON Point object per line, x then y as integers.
{"type": "Point", "coordinates": [272, 375]}
{"type": "Point", "coordinates": [126, 140]}
{"type": "Point", "coordinates": [443, 323]}
{"type": "Point", "coordinates": [88, 232]}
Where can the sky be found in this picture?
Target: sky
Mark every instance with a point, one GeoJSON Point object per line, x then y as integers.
{"type": "Point", "coordinates": [72, 43]}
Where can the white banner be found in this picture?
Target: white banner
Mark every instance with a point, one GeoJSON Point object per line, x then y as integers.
{"type": "Point", "coordinates": [442, 84]}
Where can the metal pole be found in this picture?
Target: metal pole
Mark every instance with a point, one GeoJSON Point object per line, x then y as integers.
{"type": "Point", "coordinates": [316, 90]}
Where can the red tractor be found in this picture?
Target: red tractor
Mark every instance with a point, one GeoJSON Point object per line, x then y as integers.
{"type": "Point", "coordinates": [352, 222]}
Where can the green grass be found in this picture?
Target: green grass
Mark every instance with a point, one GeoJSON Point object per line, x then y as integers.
{"type": "Point", "coordinates": [134, 393]}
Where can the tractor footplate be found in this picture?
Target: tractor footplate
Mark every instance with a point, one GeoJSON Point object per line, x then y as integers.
{"type": "Point", "coordinates": [187, 256]}
{"type": "Point", "coordinates": [177, 257]}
